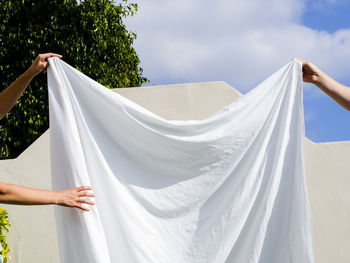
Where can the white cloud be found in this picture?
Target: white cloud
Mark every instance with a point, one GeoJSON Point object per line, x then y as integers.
{"type": "Point", "coordinates": [240, 42]}
{"type": "Point", "coordinates": [320, 4]}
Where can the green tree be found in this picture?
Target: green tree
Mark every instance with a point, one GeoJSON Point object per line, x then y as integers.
{"type": "Point", "coordinates": [90, 35]}
{"type": "Point", "coordinates": [4, 225]}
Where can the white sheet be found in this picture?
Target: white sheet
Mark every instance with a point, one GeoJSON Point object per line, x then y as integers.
{"type": "Point", "coordinates": [229, 188]}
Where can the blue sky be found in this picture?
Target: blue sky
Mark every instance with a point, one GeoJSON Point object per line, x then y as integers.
{"type": "Point", "coordinates": [243, 42]}
{"type": "Point", "coordinates": [329, 122]}
{"type": "Point", "coordinates": [327, 15]}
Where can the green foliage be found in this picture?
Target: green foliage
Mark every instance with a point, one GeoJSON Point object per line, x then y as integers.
{"type": "Point", "coordinates": [91, 37]}
{"type": "Point", "coordinates": [4, 224]}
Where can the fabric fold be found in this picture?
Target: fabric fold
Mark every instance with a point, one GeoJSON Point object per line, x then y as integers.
{"type": "Point", "coordinates": [228, 188]}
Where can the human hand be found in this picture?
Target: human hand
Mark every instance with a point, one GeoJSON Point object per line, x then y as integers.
{"type": "Point", "coordinates": [75, 197]}
{"type": "Point", "coordinates": [40, 63]}
{"type": "Point", "coordinates": [311, 73]}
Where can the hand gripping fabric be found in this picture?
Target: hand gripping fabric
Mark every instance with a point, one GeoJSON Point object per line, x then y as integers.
{"type": "Point", "coordinates": [229, 188]}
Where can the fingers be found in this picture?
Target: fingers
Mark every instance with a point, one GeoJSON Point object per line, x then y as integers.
{"type": "Point", "coordinates": [83, 188]}
{"type": "Point", "coordinates": [86, 201]}
{"type": "Point", "coordinates": [81, 201]}
{"type": "Point", "coordinates": [85, 194]}
{"type": "Point", "coordinates": [75, 197]}
{"type": "Point", "coordinates": [82, 207]}
{"type": "Point", "coordinates": [40, 63]}
{"type": "Point", "coordinates": [48, 55]}
{"type": "Point", "coordinates": [81, 193]}
{"type": "Point", "coordinates": [300, 60]}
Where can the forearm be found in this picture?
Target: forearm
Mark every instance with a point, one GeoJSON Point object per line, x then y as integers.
{"type": "Point", "coordinates": [11, 94]}
{"type": "Point", "coordinates": [20, 195]}
{"type": "Point", "coordinates": [337, 91]}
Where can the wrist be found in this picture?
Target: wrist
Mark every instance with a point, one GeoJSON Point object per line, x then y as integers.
{"type": "Point", "coordinates": [320, 78]}
{"type": "Point", "coordinates": [56, 200]}
{"type": "Point", "coordinates": [29, 73]}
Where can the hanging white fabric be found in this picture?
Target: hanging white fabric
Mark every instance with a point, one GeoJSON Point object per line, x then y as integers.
{"type": "Point", "coordinates": [229, 188]}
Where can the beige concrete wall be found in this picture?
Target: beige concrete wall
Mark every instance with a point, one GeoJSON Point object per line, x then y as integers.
{"type": "Point", "coordinates": [32, 237]}
{"type": "Point", "coordinates": [328, 181]}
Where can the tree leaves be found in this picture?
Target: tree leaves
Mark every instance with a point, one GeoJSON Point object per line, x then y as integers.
{"type": "Point", "coordinates": [91, 37]}
{"type": "Point", "coordinates": [4, 226]}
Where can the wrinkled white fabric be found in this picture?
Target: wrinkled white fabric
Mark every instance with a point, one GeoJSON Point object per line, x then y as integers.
{"type": "Point", "coordinates": [229, 188]}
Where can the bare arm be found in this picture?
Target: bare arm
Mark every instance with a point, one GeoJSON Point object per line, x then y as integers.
{"type": "Point", "coordinates": [20, 195]}
{"type": "Point", "coordinates": [337, 91]}
{"type": "Point", "coordinates": [11, 94]}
